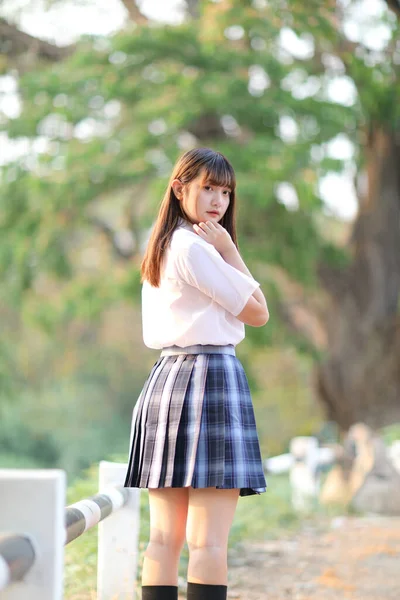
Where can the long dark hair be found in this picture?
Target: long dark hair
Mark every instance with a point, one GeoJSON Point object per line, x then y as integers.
{"type": "Point", "coordinates": [218, 171]}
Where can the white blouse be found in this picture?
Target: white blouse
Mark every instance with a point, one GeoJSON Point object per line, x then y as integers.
{"type": "Point", "coordinates": [199, 296]}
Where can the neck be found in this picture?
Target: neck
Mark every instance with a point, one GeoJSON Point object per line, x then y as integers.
{"type": "Point", "coordinates": [184, 223]}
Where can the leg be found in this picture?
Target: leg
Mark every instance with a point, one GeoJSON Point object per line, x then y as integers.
{"type": "Point", "coordinates": [168, 512]}
{"type": "Point", "coordinates": [209, 519]}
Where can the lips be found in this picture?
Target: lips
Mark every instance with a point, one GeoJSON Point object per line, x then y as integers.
{"type": "Point", "coordinates": [214, 213]}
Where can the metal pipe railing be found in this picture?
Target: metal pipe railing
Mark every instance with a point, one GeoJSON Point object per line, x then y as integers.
{"type": "Point", "coordinates": [17, 556]}
{"type": "Point", "coordinates": [33, 501]}
{"type": "Point", "coordinates": [85, 514]}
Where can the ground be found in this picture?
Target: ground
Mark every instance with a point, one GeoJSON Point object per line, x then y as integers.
{"type": "Point", "coordinates": [350, 558]}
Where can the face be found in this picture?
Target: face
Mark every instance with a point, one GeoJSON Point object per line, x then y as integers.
{"type": "Point", "coordinates": [201, 200]}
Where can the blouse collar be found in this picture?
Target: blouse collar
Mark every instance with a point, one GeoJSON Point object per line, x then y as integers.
{"type": "Point", "coordinates": [183, 224]}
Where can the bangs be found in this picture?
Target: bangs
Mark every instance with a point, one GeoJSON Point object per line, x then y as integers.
{"type": "Point", "coordinates": [219, 172]}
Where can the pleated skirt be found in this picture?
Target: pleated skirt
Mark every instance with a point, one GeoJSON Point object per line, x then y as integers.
{"type": "Point", "coordinates": [194, 425]}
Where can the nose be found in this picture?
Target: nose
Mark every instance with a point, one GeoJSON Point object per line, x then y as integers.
{"type": "Point", "coordinates": [218, 198]}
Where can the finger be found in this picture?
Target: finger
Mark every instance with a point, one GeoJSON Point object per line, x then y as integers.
{"type": "Point", "coordinates": [204, 226]}
{"type": "Point", "coordinates": [199, 230]}
{"type": "Point", "coordinates": [211, 224]}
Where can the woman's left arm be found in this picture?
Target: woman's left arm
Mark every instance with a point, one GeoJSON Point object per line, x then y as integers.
{"type": "Point", "coordinates": [217, 236]}
{"type": "Point", "coordinates": [233, 258]}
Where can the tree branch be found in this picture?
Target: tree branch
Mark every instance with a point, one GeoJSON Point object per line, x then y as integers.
{"type": "Point", "coordinates": [394, 5]}
{"type": "Point", "coordinates": [14, 42]}
{"type": "Point", "coordinates": [134, 12]}
{"type": "Point", "coordinates": [123, 250]}
{"type": "Point", "coordinates": [192, 9]}
{"type": "Point", "coordinates": [298, 310]}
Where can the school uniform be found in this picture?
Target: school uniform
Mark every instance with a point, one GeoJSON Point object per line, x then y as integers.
{"type": "Point", "coordinates": [193, 424]}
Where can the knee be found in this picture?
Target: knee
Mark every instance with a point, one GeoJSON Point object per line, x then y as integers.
{"type": "Point", "coordinates": [171, 542]}
{"type": "Point", "coordinates": [209, 545]}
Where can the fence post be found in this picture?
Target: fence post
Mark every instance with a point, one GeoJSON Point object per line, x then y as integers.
{"type": "Point", "coordinates": [118, 539]}
{"type": "Point", "coordinates": [32, 503]}
{"type": "Point", "coordinates": [303, 473]}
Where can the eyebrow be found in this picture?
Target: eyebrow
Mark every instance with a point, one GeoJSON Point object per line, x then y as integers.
{"type": "Point", "coordinates": [209, 182]}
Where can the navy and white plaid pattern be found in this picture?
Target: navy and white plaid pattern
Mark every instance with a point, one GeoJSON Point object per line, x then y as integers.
{"type": "Point", "coordinates": [194, 425]}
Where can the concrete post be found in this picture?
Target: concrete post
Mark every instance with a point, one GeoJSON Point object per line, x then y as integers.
{"type": "Point", "coordinates": [32, 505]}
{"type": "Point", "coordinates": [118, 538]}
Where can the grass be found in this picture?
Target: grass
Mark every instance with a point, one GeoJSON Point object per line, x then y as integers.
{"type": "Point", "coordinates": [256, 519]}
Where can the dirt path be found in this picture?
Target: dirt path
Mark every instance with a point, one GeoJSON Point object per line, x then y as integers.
{"type": "Point", "coordinates": [349, 558]}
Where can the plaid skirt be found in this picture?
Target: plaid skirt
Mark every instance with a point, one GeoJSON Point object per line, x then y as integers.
{"type": "Point", "coordinates": [194, 425]}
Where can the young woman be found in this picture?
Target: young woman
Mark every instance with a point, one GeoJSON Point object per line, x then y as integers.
{"type": "Point", "coordinates": [194, 443]}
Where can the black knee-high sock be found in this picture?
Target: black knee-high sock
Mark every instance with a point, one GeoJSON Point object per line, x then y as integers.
{"type": "Point", "coordinates": [159, 592]}
{"type": "Point", "coordinates": [202, 591]}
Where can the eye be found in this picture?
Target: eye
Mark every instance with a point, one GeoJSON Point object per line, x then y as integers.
{"type": "Point", "coordinates": [207, 187]}
{"type": "Point", "coordinates": [226, 192]}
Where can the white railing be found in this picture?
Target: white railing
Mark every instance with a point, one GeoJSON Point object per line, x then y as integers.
{"type": "Point", "coordinates": [304, 463]}
{"type": "Point", "coordinates": [35, 526]}
{"type": "Point", "coordinates": [307, 460]}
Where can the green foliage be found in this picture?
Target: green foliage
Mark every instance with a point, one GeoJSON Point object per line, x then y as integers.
{"type": "Point", "coordinates": [111, 120]}
{"type": "Point", "coordinates": [119, 110]}
{"type": "Point", "coordinates": [72, 401]}
{"type": "Point", "coordinates": [283, 398]}
{"type": "Point", "coordinates": [8, 372]}
{"type": "Point", "coordinates": [268, 516]}
{"type": "Point", "coordinates": [19, 461]}
{"type": "Point", "coordinates": [66, 425]}
{"type": "Point", "coordinates": [131, 288]}
{"type": "Point", "coordinates": [17, 439]}
{"type": "Point", "coordinates": [391, 433]}
{"type": "Point", "coordinates": [139, 95]}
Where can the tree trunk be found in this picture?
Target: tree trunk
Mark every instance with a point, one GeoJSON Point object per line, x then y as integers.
{"type": "Point", "coordinates": [192, 9]}
{"type": "Point", "coordinates": [394, 5]}
{"type": "Point", "coordinates": [360, 378]}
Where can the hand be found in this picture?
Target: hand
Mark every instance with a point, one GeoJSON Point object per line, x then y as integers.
{"type": "Point", "coordinates": [216, 235]}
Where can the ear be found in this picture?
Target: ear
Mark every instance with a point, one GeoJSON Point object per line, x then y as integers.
{"type": "Point", "coordinates": [177, 187]}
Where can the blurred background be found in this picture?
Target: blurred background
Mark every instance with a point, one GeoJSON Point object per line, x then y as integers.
{"type": "Point", "coordinates": [98, 98]}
